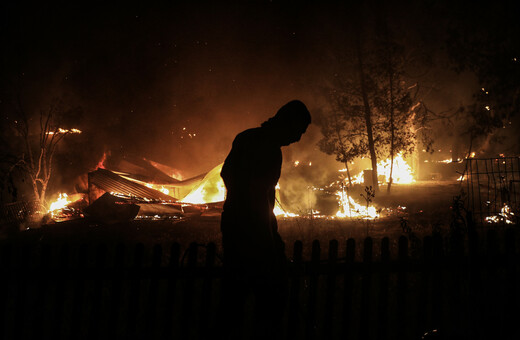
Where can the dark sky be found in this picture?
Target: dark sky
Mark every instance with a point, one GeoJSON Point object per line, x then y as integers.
{"type": "Point", "coordinates": [146, 77]}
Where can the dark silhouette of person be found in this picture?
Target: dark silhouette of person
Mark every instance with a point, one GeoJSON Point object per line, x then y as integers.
{"type": "Point", "coordinates": [254, 253]}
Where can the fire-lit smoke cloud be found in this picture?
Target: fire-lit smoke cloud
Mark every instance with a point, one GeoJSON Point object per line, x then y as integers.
{"type": "Point", "coordinates": [175, 83]}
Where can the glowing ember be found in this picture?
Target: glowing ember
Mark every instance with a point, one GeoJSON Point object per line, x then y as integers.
{"type": "Point", "coordinates": [211, 189]}
{"type": "Point", "coordinates": [60, 130]}
{"type": "Point", "coordinates": [349, 208]}
{"type": "Point", "coordinates": [505, 215]}
{"type": "Point", "coordinates": [296, 163]}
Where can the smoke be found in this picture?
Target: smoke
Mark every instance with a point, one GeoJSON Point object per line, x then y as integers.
{"type": "Point", "coordinates": [175, 84]}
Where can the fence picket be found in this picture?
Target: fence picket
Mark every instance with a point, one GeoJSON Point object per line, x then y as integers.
{"type": "Point", "coordinates": [207, 287]}
{"type": "Point", "coordinates": [116, 288]}
{"type": "Point", "coordinates": [135, 293]}
{"type": "Point", "coordinates": [493, 326]}
{"type": "Point", "coordinates": [402, 288]}
{"type": "Point", "coordinates": [475, 301]}
{"type": "Point", "coordinates": [5, 267]}
{"type": "Point", "coordinates": [187, 322]}
{"type": "Point", "coordinates": [63, 268]}
{"type": "Point", "coordinates": [94, 324]}
{"type": "Point", "coordinates": [423, 302]}
{"type": "Point", "coordinates": [23, 265]}
{"type": "Point", "coordinates": [151, 307]}
{"type": "Point", "coordinates": [294, 310]}
{"type": "Point", "coordinates": [171, 288]}
{"type": "Point", "coordinates": [436, 282]}
{"type": "Point", "coordinates": [348, 288]}
{"type": "Point", "coordinates": [40, 300]}
{"type": "Point", "coordinates": [330, 290]}
{"type": "Point", "coordinates": [454, 290]}
{"type": "Point", "coordinates": [310, 326]}
{"type": "Point", "coordinates": [510, 295]}
{"type": "Point", "coordinates": [382, 323]}
{"type": "Point", "coordinates": [366, 283]}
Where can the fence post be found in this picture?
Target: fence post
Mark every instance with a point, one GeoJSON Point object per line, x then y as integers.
{"type": "Point", "coordinates": [348, 287]}
{"type": "Point", "coordinates": [187, 301]}
{"type": "Point", "coordinates": [401, 287]}
{"type": "Point", "coordinates": [207, 286]}
{"type": "Point", "coordinates": [115, 301]}
{"type": "Point", "coordinates": [135, 292]}
{"type": "Point", "coordinates": [152, 292]}
{"type": "Point", "coordinates": [97, 293]}
{"type": "Point", "coordinates": [382, 324]}
{"type": "Point", "coordinates": [173, 269]}
{"type": "Point", "coordinates": [310, 332]}
{"type": "Point", "coordinates": [331, 289]}
{"type": "Point", "coordinates": [366, 285]}
{"type": "Point", "coordinates": [293, 331]}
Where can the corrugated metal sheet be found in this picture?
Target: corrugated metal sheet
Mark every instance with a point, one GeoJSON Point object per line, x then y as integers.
{"type": "Point", "coordinates": [110, 182]}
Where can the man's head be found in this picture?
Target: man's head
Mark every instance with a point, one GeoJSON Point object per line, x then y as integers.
{"type": "Point", "coordinates": [290, 122]}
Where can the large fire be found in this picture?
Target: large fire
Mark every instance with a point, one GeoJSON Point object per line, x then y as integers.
{"type": "Point", "coordinates": [211, 189]}
{"type": "Point", "coordinates": [401, 173]}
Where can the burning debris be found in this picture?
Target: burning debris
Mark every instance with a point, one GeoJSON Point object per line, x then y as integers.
{"type": "Point", "coordinates": [135, 188]}
{"type": "Point", "coordinates": [504, 216]}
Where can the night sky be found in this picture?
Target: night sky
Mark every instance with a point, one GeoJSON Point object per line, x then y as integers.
{"type": "Point", "coordinates": [176, 82]}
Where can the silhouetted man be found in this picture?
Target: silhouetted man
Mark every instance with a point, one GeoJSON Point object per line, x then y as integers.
{"type": "Point", "coordinates": [254, 256]}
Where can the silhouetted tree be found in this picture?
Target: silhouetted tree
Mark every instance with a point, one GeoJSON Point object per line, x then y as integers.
{"type": "Point", "coordinates": [374, 110]}
{"type": "Point", "coordinates": [40, 142]}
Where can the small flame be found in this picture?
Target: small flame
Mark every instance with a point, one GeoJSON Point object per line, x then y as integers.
{"type": "Point", "coordinates": [60, 203]}
{"type": "Point", "coordinates": [349, 208]}
{"type": "Point", "coordinates": [278, 211]}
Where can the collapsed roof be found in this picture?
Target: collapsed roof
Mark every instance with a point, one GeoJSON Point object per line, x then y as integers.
{"type": "Point", "coordinates": [111, 182]}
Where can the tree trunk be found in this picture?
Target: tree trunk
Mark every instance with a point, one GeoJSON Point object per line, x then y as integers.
{"type": "Point", "coordinates": [368, 113]}
{"type": "Point", "coordinates": [392, 126]}
{"type": "Point", "coordinates": [348, 174]}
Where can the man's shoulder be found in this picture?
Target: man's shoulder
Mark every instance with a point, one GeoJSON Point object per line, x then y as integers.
{"type": "Point", "coordinates": [250, 136]}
